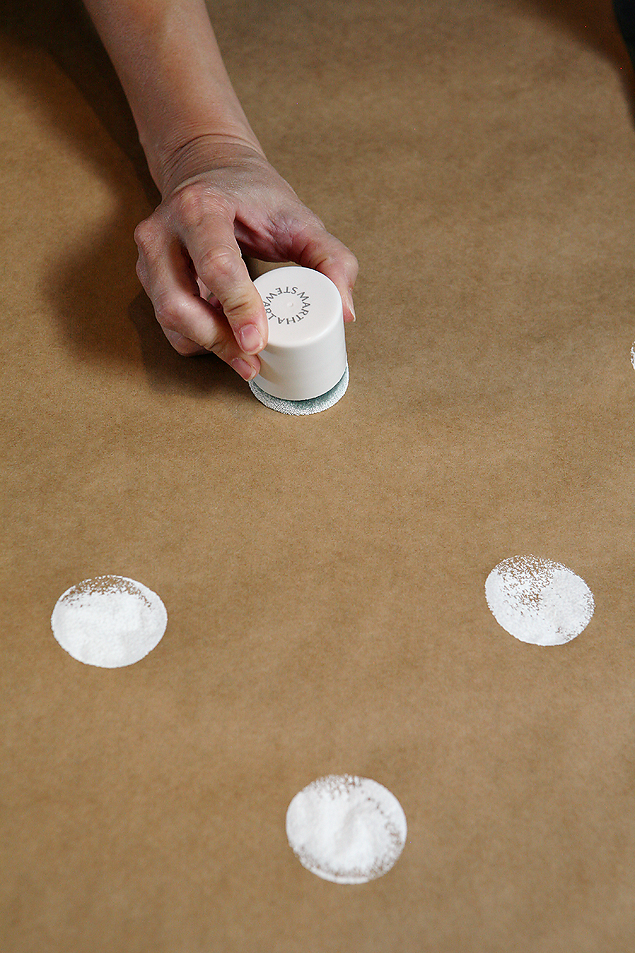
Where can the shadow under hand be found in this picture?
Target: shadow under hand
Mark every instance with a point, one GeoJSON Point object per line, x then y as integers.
{"type": "Point", "coordinates": [89, 286]}
{"type": "Point", "coordinates": [169, 372]}
{"type": "Point", "coordinates": [63, 29]}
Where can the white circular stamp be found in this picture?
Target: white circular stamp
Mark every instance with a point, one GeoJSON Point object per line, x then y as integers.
{"type": "Point", "coordinates": [345, 829]}
{"type": "Point", "coordinates": [109, 621]}
{"type": "Point", "coordinates": [538, 600]}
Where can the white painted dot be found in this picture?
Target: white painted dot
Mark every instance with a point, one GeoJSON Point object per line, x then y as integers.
{"type": "Point", "coordinates": [538, 600]}
{"type": "Point", "coordinates": [109, 621]}
{"type": "Point", "coordinates": [345, 829]}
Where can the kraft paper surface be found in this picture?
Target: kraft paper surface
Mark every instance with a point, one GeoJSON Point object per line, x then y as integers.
{"type": "Point", "coordinates": [324, 575]}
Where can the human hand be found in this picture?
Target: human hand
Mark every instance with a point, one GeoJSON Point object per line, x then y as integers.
{"type": "Point", "coordinates": [222, 197]}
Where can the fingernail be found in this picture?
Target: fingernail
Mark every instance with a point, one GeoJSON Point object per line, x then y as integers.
{"type": "Point", "coordinates": [246, 371]}
{"type": "Point", "coordinates": [250, 339]}
{"type": "Point", "coordinates": [350, 304]}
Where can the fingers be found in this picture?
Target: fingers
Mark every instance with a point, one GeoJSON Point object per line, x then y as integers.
{"type": "Point", "coordinates": [191, 324]}
{"type": "Point", "coordinates": [314, 247]}
{"type": "Point", "coordinates": [205, 225]}
{"type": "Point", "coordinates": [191, 266]}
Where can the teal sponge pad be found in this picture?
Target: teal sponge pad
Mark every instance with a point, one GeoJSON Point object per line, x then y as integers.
{"type": "Point", "coordinates": [298, 408]}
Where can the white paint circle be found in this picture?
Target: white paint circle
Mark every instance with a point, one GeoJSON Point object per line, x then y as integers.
{"type": "Point", "coordinates": [345, 829]}
{"type": "Point", "coordinates": [109, 621]}
{"type": "Point", "coordinates": [538, 600]}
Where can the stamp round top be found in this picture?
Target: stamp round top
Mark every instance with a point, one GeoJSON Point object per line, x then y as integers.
{"type": "Point", "coordinates": [305, 354]}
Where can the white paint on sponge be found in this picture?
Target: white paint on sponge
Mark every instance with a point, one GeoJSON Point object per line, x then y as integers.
{"type": "Point", "coordinates": [345, 829]}
{"type": "Point", "coordinates": [109, 621]}
{"type": "Point", "coordinates": [538, 600]}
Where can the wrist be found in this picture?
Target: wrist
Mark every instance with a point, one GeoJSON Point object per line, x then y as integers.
{"type": "Point", "coordinates": [172, 72]}
{"type": "Point", "coordinates": [189, 157]}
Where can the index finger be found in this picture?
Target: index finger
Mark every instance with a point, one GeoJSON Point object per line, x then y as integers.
{"type": "Point", "coordinates": [206, 228]}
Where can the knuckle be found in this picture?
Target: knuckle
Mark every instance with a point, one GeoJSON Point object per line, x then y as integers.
{"type": "Point", "coordinates": [144, 234]}
{"type": "Point", "coordinates": [239, 307]}
{"type": "Point", "coordinates": [196, 201]}
{"type": "Point", "coordinates": [167, 311]}
{"type": "Point", "coordinates": [220, 268]}
{"type": "Point", "coordinates": [187, 203]}
{"type": "Point", "coordinates": [174, 320]}
{"type": "Point", "coordinates": [220, 262]}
